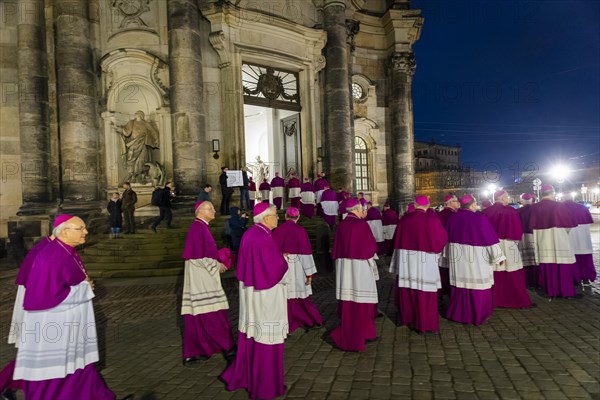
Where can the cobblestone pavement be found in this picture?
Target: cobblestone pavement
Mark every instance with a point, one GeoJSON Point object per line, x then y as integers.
{"type": "Point", "coordinates": [548, 352]}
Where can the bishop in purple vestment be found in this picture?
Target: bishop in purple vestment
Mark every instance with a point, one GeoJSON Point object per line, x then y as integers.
{"type": "Point", "coordinates": [472, 252]}
{"type": "Point", "coordinates": [294, 243]}
{"type": "Point", "coordinates": [509, 277]}
{"type": "Point", "coordinates": [419, 241]}
{"type": "Point", "coordinates": [265, 191]}
{"type": "Point", "coordinates": [354, 252]}
{"type": "Point", "coordinates": [14, 333]}
{"type": "Point", "coordinates": [263, 321]}
{"type": "Point", "coordinates": [389, 220]}
{"type": "Point", "coordinates": [206, 327]}
{"type": "Point", "coordinates": [329, 206]}
{"type": "Point", "coordinates": [374, 219]}
{"type": "Point", "coordinates": [277, 186]}
{"type": "Point", "coordinates": [526, 245]}
{"type": "Point", "coordinates": [550, 222]}
{"type": "Point", "coordinates": [294, 185]}
{"type": "Point", "coordinates": [58, 291]}
{"type": "Point", "coordinates": [307, 199]}
{"type": "Point", "coordinates": [581, 242]}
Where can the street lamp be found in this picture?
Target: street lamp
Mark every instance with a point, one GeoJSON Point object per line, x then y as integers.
{"type": "Point", "coordinates": [573, 195]}
{"type": "Point", "coordinates": [560, 172]}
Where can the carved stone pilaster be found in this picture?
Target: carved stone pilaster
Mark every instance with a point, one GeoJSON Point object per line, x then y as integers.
{"type": "Point", "coordinates": [217, 41]}
{"type": "Point", "coordinates": [352, 28]}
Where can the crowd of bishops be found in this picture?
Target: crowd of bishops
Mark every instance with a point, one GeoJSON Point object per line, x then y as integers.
{"type": "Point", "coordinates": [473, 258]}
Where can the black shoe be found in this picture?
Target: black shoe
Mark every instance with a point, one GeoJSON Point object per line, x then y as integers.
{"type": "Point", "coordinates": [380, 315]}
{"type": "Point", "coordinates": [8, 394]}
{"type": "Point", "coordinates": [153, 228]}
{"type": "Point", "coordinates": [187, 361]}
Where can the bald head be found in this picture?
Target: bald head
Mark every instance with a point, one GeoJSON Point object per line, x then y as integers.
{"type": "Point", "coordinates": [206, 211]}
{"type": "Point", "coordinates": [72, 232]}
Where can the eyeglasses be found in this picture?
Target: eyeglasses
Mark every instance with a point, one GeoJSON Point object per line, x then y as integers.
{"type": "Point", "coordinates": [81, 229]}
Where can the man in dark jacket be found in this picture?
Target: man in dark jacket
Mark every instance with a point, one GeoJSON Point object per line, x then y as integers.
{"type": "Point", "coordinates": [226, 191]}
{"type": "Point", "coordinates": [244, 194]}
{"type": "Point", "coordinates": [235, 227]}
{"type": "Point", "coordinates": [164, 206]}
{"type": "Point", "coordinates": [128, 200]}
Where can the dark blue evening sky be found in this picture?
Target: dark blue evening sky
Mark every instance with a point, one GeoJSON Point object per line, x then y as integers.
{"type": "Point", "coordinates": [513, 82]}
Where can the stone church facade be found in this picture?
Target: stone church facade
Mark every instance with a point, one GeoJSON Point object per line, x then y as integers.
{"type": "Point", "coordinates": [96, 92]}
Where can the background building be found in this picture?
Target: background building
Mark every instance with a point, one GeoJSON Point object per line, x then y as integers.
{"type": "Point", "coordinates": [102, 91]}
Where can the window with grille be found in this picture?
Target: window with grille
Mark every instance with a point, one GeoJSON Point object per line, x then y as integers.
{"type": "Point", "coordinates": [361, 164]}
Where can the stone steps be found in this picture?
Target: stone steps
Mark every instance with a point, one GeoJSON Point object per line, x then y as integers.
{"type": "Point", "coordinates": [148, 254]}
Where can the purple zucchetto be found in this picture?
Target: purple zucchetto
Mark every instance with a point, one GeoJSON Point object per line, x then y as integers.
{"type": "Point", "coordinates": [499, 193]}
{"type": "Point", "coordinates": [351, 203]}
{"type": "Point", "coordinates": [260, 208]}
{"type": "Point", "coordinates": [547, 189]}
{"type": "Point", "coordinates": [292, 212]}
{"type": "Point", "coordinates": [527, 197]}
{"type": "Point", "coordinates": [422, 200]}
{"type": "Point", "coordinates": [485, 204]}
{"type": "Point", "coordinates": [449, 197]}
{"type": "Point", "coordinates": [197, 205]}
{"type": "Point", "coordinates": [61, 218]}
{"type": "Point", "coordinates": [466, 199]}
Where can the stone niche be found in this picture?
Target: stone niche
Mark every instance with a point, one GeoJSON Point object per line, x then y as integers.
{"type": "Point", "coordinates": [135, 80]}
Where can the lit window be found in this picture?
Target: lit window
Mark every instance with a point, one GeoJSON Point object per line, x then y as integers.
{"type": "Point", "coordinates": [361, 164]}
{"type": "Point", "coordinates": [357, 91]}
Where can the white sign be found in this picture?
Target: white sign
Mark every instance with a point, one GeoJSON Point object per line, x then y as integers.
{"type": "Point", "coordinates": [537, 184]}
{"type": "Point", "coordinates": [234, 178]}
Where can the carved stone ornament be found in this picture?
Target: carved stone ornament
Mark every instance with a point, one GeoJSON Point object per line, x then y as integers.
{"type": "Point", "coordinates": [319, 62]}
{"type": "Point", "coordinates": [218, 40]}
{"type": "Point", "coordinates": [352, 28]}
{"type": "Point", "coordinates": [271, 87]}
{"type": "Point", "coordinates": [291, 129]}
{"type": "Point", "coordinates": [403, 62]}
{"type": "Point", "coordinates": [131, 10]}
{"type": "Point", "coordinates": [160, 77]}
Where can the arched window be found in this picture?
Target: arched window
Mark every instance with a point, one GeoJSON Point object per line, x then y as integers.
{"type": "Point", "coordinates": [361, 164]}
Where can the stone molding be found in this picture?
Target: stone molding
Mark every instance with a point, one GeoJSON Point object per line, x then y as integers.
{"type": "Point", "coordinates": [218, 41]}
{"type": "Point", "coordinates": [352, 29]}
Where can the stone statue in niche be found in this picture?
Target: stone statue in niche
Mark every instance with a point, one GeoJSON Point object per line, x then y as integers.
{"type": "Point", "coordinates": [260, 171]}
{"type": "Point", "coordinates": [140, 138]}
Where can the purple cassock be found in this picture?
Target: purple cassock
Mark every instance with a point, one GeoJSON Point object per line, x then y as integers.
{"type": "Point", "coordinates": [444, 270]}
{"type": "Point", "coordinates": [294, 186]}
{"type": "Point", "coordinates": [581, 241]}
{"type": "Point", "coordinates": [444, 214]}
{"type": "Point", "coordinates": [263, 322]}
{"type": "Point", "coordinates": [265, 191]}
{"type": "Point", "coordinates": [550, 222]}
{"type": "Point", "coordinates": [293, 240]}
{"type": "Point", "coordinates": [527, 248]}
{"type": "Point", "coordinates": [472, 251]}
{"type": "Point", "coordinates": [389, 220]}
{"type": "Point", "coordinates": [354, 249]}
{"type": "Point", "coordinates": [14, 333]}
{"type": "Point", "coordinates": [330, 206]}
{"type": "Point", "coordinates": [252, 193]}
{"type": "Point", "coordinates": [58, 294]}
{"type": "Point", "coordinates": [277, 186]}
{"type": "Point", "coordinates": [375, 221]}
{"type": "Point", "coordinates": [307, 199]}
{"type": "Point", "coordinates": [509, 278]}
{"type": "Point", "coordinates": [206, 327]}
{"type": "Point", "coordinates": [419, 240]}
{"type": "Point", "coordinates": [320, 185]}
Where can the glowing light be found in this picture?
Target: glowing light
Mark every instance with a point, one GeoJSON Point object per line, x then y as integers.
{"type": "Point", "coordinates": [485, 193]}
{"type": "Point", "coordinates": [492, 188]}
{"type": "Point", "coordinates": [596, 190]}
{"type": "Point", "coordinates": [573, 194]}
{"type": "Point", "coordinates": [559, 196]}
{"type": "Point", "coordinates": [560, 172]}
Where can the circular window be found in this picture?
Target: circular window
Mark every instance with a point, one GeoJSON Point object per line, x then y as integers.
{"type": "Point", "coordinates": [357, 91]}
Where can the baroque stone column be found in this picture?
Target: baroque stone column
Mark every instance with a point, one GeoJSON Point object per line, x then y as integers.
{"type": "Point", "coordinates": [352, 29]}
{"type": "Point", "coordinates": [34, 121]}
{"type": "Point", "coordinates": [338, 142]}
{"type": "Point", "coordinates": [76, 92]}
{"type": "Point", "coordinates": [187, 102]}
{"type": "Point", "coordinates": [402, 65]}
